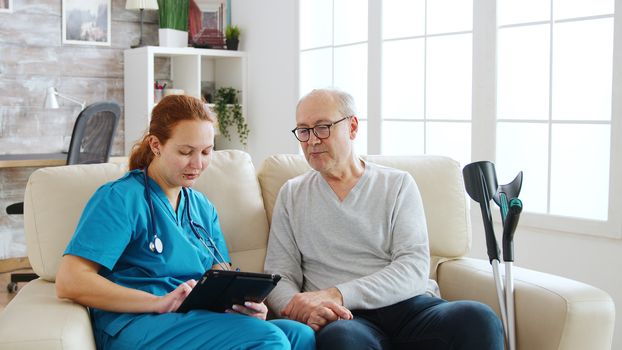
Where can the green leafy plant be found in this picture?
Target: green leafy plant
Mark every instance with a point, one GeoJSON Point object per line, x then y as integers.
{"type": "Point", "coordinates": [174, 14]}
{"type": "Point", "coordinates": [232, 32]}
{"type": "Point", "coordinates": [229, 112]}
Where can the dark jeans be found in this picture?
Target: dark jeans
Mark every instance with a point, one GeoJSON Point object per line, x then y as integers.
{"type": "Point", "coordinates": [422, 322]}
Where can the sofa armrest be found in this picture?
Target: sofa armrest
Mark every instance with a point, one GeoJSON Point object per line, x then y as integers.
{"type": "Point", "coordinates": [37, 319]}
{"type": "Point", "coordinates": [552, 312]}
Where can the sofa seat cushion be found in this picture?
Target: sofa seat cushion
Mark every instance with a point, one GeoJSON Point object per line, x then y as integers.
{"type": "Point", "coordinates": [52, 323]}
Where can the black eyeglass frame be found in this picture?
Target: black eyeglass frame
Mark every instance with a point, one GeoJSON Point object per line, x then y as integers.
{"type": "Point", "coordinates": [315, 132]}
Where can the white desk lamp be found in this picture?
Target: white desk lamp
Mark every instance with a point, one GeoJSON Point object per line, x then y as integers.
{"type": "Point", "coordinates": [52, 102]}
{"type": "Point", "coordinates": [141, 5]}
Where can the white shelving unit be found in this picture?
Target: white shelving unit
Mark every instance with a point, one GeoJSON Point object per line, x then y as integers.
{"type": "Point", "coordinates": [188, 67]}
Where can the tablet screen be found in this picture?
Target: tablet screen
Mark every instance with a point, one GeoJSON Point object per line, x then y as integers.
{"type": "Point", "coordinates": [218, 290]}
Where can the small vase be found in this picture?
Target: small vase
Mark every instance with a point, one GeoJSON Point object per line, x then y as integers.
{"type": "Point", "coordinates": [232, 44]}
{"type": "Point", "coordinates": [172, 37]}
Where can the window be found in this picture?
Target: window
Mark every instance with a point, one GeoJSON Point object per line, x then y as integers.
{"type": "Point", "coordinates": [554, 89]}
{"type": "Point", "coordinates": [333, 52]}
{"type": "Point", "coordinates": [426, 78]}
{"type": "Point", "coordinates": [529, 84]}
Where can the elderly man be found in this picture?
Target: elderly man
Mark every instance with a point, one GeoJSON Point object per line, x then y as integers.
{"type": "Point", "coordinates": [350, 240]}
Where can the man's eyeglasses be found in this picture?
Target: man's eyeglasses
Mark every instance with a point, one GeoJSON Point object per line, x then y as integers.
{"type": "Point", "coordinates": [321, 131]}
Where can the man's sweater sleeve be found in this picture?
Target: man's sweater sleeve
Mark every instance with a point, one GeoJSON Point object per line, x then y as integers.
{"type": "Point", "coordinates": [407, 274]}
{"type": "Point", "coordinates": [283, 256]}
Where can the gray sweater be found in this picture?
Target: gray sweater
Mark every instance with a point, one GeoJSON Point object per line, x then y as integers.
{"type": "Point", "coordinates": [373, 246]}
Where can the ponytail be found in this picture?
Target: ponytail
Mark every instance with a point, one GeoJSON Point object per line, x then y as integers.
{"type": "Point", "coordinates": [141, 154]}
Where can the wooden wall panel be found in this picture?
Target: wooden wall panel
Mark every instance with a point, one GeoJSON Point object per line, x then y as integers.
{"type": "Point", "coordinates": [42, 123]}
{"type": "Point", "coordinates": [32, 59]}
{"type": "Point", "coordinates": [24, 29]}
{"type": "Point", "coordinates": [91, 62]}
{"type": "Point", "coordinates": [27, 60]}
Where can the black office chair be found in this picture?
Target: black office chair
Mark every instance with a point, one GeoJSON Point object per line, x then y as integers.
{"type": "Point", "coordinates": [91, 142]}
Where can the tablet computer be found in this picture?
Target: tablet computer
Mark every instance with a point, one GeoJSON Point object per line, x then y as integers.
{"type": "Point", "coordinates": [218, 290]}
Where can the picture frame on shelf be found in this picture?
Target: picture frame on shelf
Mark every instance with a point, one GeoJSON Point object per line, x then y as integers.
{"type": "Point", "coordinates": [211, 18]}
{"type": "Point", "coordinates": [86, 22]}
{"type": "Point", "coordinates": [213, 14]}
{"type": "Point", "coordinates": [6, 6]}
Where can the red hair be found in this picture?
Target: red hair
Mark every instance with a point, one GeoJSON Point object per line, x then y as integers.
{"type": "Point", "coordinates": [165, 115]}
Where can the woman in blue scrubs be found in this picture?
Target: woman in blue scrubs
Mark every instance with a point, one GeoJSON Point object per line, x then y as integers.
{"type": "Point", "coordinates": [133, 265]}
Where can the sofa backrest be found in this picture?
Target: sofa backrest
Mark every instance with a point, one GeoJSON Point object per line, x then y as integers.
{"type": "Point", "coordinates": [56, 196]}
{"type": "Point", "coordinates": [230, 183]}
{"type": "Point", "coordinates": [439, 180]}
{"type": "Point", "coordinates": [53, 203]}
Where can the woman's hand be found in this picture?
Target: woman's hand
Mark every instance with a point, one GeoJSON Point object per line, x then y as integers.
{"type": "Point", "coordinates": [173, 300]}
{"type": "Point", "coordinates": [257, 310]}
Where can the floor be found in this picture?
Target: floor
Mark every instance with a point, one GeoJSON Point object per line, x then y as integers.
{"type": "Point", "coordinates": [5, 296]}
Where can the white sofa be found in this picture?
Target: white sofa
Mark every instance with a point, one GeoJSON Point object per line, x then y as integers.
{"type": "Point", "coordinates": [552, 312]}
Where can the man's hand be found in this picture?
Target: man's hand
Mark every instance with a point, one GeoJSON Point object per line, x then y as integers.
{"type": "Point", "coordinates": [318, 308]}
{"type": "Point", "coordinates": [173, 300]}
{"type": "Point", "coordinates": [326, 313]}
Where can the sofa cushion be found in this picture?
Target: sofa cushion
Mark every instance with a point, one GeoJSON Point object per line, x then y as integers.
{"type": "Point", "coordinates": [56, 196]}
{"type": "Point", "coordinates": [440, 183]}
{"type": "Point", "coordinates": [446, 208]}
{"type": "Point", "coordinates": [230, 183]}
{"type": "Point", "coordinates": [53, 203]}
{"type": "Point", "coordinates": [274, 171]}
{"type": "Point", "coordinates": [37, 319]}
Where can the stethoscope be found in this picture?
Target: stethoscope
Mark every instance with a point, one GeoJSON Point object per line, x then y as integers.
{"type": "Point", "coordinates": [156, 246]}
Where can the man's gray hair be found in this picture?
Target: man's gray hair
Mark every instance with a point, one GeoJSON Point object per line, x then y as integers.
{"type": "Point", "coordinates": [345, 101]}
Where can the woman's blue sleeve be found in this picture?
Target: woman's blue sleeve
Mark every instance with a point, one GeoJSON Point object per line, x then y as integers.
{"type": "Point", "coordinates": [103, 231]}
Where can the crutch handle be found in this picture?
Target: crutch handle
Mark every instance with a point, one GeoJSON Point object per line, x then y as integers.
{"type": "Point", "coordinates": [511, 221]}
{"type": "Point", "coordinates": [491, 241]}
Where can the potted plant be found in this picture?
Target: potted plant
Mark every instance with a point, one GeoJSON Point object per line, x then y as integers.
{"type": "Point", "coordinates": [229, 113]}
{"type": "Point", "coordinates": [232, 37]}
{"type": "Point", "coordinates": [173, 30]}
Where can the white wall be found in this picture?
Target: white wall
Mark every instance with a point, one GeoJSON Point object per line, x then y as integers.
{"type": "Point", "coordinates": [270, 36]}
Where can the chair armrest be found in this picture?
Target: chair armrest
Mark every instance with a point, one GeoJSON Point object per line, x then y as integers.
{"type": "Point", "coordinates": [552, 312]}
{"type": "Point", "coordinates": [37, 319]}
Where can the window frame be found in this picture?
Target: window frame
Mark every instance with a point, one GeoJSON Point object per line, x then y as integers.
{"type": "Point", "coordinates": [485, 33]}
{"type": "Point", "coordinates": [484, 114]}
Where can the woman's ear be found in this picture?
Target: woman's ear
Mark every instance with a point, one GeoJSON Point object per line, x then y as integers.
{"type": "Point", "coordinates": [154, 144]}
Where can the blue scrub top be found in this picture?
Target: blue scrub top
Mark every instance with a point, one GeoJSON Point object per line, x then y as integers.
{"type": "Point", "coordinates": [114, 231]}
